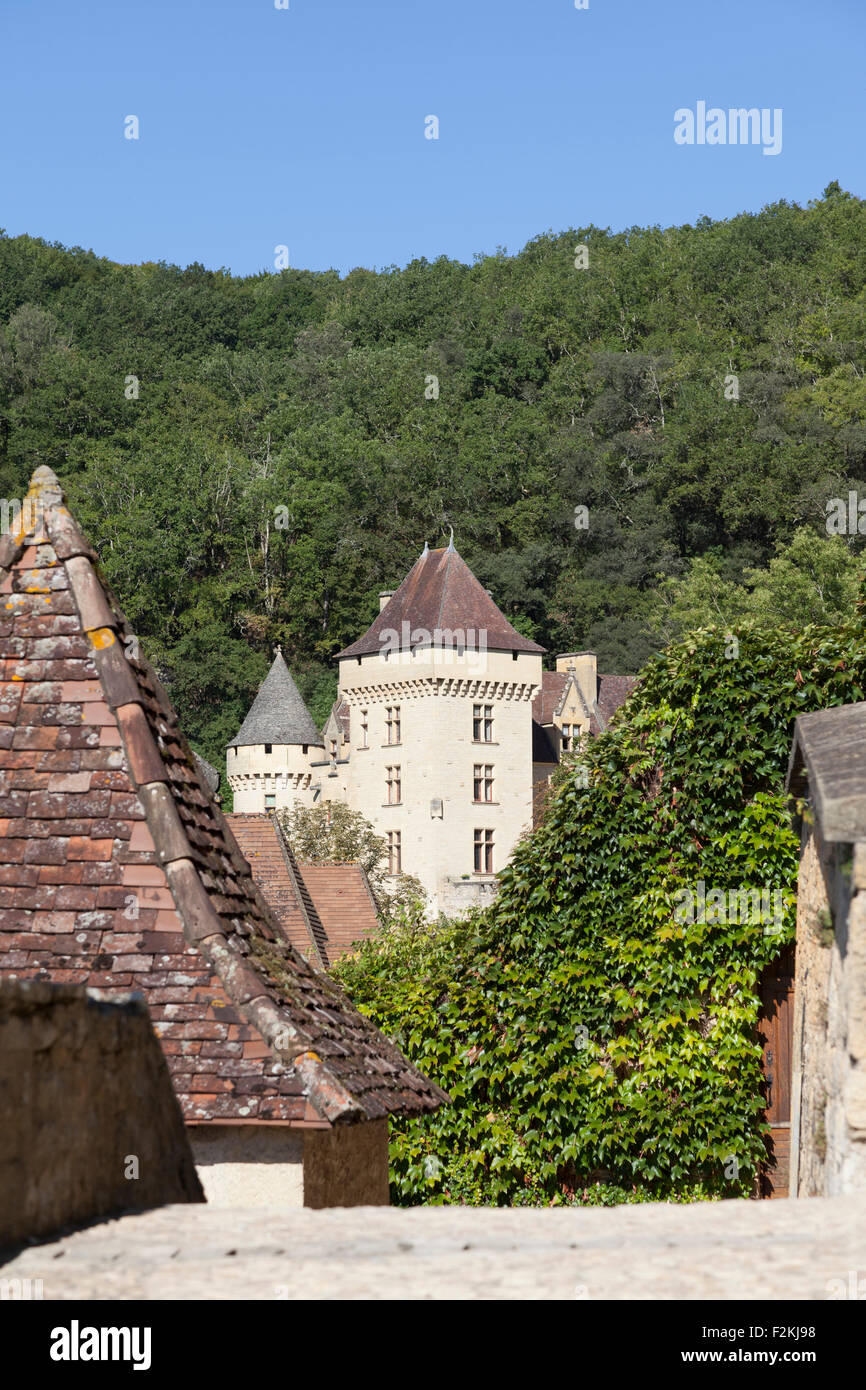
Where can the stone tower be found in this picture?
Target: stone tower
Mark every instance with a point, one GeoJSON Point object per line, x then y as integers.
{"type": "Point", "coordinates": [439, 695]}
{"type": "Point", "coordinates": [270, 761]}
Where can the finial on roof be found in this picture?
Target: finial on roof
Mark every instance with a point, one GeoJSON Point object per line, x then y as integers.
{"type": "Point", "coordinates": [278, 651]}
{"type": "Point", "coordinates": [425, 551]}
{"type": "Point", "coordinates": [451, 541]}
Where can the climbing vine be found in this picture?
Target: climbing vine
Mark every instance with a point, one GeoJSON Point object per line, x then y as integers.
{"type": "Point", "coordinates": [597, 1038]}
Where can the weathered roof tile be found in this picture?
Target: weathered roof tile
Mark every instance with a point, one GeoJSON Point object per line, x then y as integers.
{"type": "Point", "coordinates": [248, 982]}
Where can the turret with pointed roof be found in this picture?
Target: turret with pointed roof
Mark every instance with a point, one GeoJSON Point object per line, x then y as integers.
{"type": "Point", "coordinates": [272, 761]}
{"type": "Point", "coordinates": [440, 593]}
{"type": "Point", "coordinates": [278, 714]}
{"type": "Point", "coordinates": [438, 694]}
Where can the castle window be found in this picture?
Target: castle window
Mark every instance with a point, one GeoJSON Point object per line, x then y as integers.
{"type": "Point", "coordinates": [482, 782]}
{"type": "Point", "coordinates": [268, 747]}
{"type": "Point", "coordinates": [484, 851]}
{"type": "Point", "coordinates": [392, 723]}
{"type": "Point", "coordinates": [364, 729]}
{"type": "Point", "coordinates": [270, 802]}
{"type": "Point", "coordinates": [395, 852]}
{"type": "Point", "coordinates": [570, 737]}
{"type": "Point", "coordinates": [393, 785]}
{"type": "Point", "coordinates": [333, 748]}
{"type": "Point", "coordinates": [482, 723]}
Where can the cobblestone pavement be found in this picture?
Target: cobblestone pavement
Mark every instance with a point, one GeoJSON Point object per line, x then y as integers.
{"type": "Point", "coordinates": [736, 1249]}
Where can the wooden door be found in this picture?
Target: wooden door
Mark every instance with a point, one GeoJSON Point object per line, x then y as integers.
{"type": "Point", "coordinates": [775, 1029]}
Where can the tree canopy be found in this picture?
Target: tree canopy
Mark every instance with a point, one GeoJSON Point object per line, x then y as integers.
{"type": "Point", "coordinates": [256, 457]}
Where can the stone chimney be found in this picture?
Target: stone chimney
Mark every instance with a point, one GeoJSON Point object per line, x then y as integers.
{"type": "Point", "coordinates": [384, 598]}
{"type": "Point", "coordinates": [585, 667]}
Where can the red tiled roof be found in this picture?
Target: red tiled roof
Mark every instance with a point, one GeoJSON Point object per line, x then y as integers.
{"type": "Point", "coordinates": [546, 701]}
{"type": "Point", "coordinates": [276, 874]}
{"type": "Point", "coordinates": [611, 692]}
{"type": "Point", "coordinates": [323, 908]}
{"type": "Point", "coordinates": [344, 904]}
{"type": "Point", "coordinates": [440, 592]}
{"type": "Point", "coordinates": [117, 868]}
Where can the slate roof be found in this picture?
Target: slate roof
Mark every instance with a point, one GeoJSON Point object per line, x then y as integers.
{"type": "Point", "coordinates": [278, 713]}
{"type": "Point", "coordinates": [441, 592]}
{"type": "Point", "coordinates": [118, 870]}
{"type": "Point", "coordinates": [828, 763]}
{"type": "Point", "coordinates": [208, 772]}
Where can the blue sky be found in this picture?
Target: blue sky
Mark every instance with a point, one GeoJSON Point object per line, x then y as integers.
{"type": "Point", "coordinates": [305, 127]}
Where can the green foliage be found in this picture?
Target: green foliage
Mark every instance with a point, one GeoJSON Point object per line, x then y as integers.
{"type": "Point", "coordinates": [332, 833]}
{"type": "Point", "coordinates": [558, 388]}
{"type": "Point", "coordinates": [591, 1040]}
{"type": "Point", "coordinates": [812, 579]}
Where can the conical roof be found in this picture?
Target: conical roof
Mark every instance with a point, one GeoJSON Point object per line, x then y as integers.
{"type": "Point", "coordinates": [278, 713]}
{"type": "Point", "coordinates": [122, 873]}
{"type": "Point", "coordinates": [440, 593]}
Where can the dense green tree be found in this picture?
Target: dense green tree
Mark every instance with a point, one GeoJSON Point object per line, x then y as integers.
{"type": "Point", "coordinates": [183, 407]}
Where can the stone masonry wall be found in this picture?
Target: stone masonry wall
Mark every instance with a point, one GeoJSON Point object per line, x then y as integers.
{"type": "Point", "coordinates": [84, 1091]}
{"type": "Point", "coordinates": [829, 1046]}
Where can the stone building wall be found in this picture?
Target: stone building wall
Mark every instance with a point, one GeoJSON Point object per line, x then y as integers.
{"type": "Point", "coordinates": [86, 1103]}
{"type": "Point", "coordinates": [437, 754]}
{"type": "Point", "coordinates": [828, 1117]}
{"type": "Point", "coordinates": [285, 774]}
{"type": "Point", "coordinates": [273, 1165]}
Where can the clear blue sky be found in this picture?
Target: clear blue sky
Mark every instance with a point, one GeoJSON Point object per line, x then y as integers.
{"type": "Point", "coordinates": [305, 126]}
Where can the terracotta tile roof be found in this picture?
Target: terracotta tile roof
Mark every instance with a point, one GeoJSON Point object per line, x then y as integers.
{"type": "Point", "coordinates": [613, 691]}
{"type": "Point", "coordinates": [323, 908]}
{"type": "Point", "coordinates": [344, 903]}
{"type": "Point", "coordinates": [440, 592]}
{"type": "Point", "coordinates": [276, 873]}
{"type": "Point", "coordinates": [118, 871]}
{"type": "Point", "coordinates": [545, 704]}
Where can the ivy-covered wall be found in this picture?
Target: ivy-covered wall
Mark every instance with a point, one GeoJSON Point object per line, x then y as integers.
{"type": "Point", "coordinates": [596, 1027]}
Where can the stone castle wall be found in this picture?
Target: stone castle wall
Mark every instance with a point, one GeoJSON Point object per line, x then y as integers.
{"type": "Point", "coordinates": [437, 755]}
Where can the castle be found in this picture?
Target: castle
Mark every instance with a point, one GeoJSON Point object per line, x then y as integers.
{"type": "Point", "coordinates": [444, 735]}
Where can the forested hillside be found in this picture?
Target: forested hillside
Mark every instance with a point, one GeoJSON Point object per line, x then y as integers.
{"type": "Point", "coordinates": [558, 387]}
